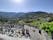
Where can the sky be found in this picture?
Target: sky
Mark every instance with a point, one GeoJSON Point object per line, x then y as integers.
{"type": "Point", "coordinates": [26, 5]}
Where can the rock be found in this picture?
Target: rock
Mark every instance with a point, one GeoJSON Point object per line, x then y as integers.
{"type": "Point", "coordinates": [5, 37]}
{"type": "Point", "coordinates": [1, 39]}
{"type": "Point", "coordinates": [36, 34]}
{"type": "Point", "coordinates": [26, 32]}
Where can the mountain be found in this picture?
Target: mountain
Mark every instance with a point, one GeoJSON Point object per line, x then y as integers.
{"type": "Point", "coordinates": [35, 14]}
{"type": "Point", "coordinates": [20, 14]}
{"type": "Point", "coordinates": [7, 14]}
{"type": "Point", "coordinates": [10, 14]}
{"type": "Point", "coordinates": [24, 15]}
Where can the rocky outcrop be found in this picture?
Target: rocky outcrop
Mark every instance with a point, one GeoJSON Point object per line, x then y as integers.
{"type": "Point", "coordinates": [36, 34]}
{"type": "Point", "coordinates": [25, 31]}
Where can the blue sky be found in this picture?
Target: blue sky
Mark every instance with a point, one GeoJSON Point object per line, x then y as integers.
{"type": "Point", "coordinates": [26, 6]}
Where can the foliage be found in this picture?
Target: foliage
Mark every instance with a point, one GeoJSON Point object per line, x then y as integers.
{"type": "Point", "coordinates": [41, 20]}
{"type": "Point", "coordinates": [46, 26]}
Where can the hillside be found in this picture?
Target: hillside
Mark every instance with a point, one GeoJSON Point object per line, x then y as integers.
{"type": "Point", "coordinates": [23, 15]}
{"type": "Point", "coordinates": [40, 20]}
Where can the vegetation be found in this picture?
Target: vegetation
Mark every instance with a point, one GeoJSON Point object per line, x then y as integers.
{"type": "Point", "coordinates": [41, 20]}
